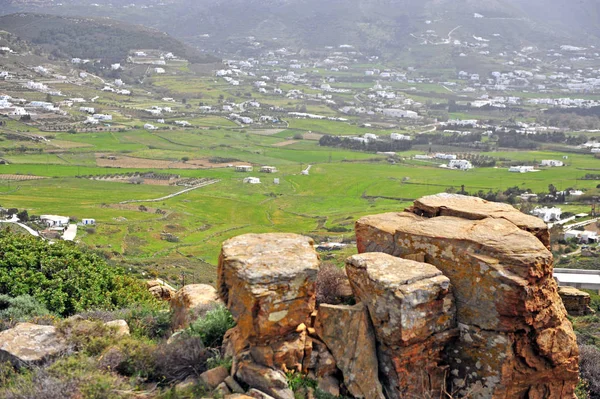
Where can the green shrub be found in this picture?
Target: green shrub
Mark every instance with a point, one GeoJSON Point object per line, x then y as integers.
{"type": "Point", "coordinates": [20, 308]}
{"type": "Point", "coordinates": [212, 326]}
{"type": "Point", "coordinates": [64, 278]}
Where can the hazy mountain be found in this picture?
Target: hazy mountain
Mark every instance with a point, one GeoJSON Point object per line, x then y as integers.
{"type": "Point", "coordinates": [384, 26]}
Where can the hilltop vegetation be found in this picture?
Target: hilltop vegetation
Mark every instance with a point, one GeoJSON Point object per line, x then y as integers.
{"type": "Point", "coordinates": [93, 38]}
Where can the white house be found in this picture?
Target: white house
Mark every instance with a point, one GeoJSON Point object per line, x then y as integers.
{"type": "Point", "coordinates": [460, 164]}
{"type": "Point", "coordinates": [548, 215]}
{"type": "Point", "coordinates": [149, 126]}
{"type": "Point", "coordinates": [421, 156]}
{"type": "Point", "coordinates": [182, 123]}
{"type": "Point", "coordinates": [159, 71]}
{"type": "Point", "coordinates": [103, 117]}
{"type": "Point", "coordinates": [243, 168]}
{"type": "Point", "coordinates": [88, 222]}
{"type": "Point", "coordinates": [400, 113]}
{"type": "Point", "coordinates": [521, 169]}
{"type": "Point", "coordinates": [399, 137]}
{"type": "Point", "coordinates": [89, 110]}
{"type": "Point", "coordinates": [252, 180]}
{"type": "Point", "coordinates": [268, 169]}
{"type": "Point", "coordinates": [115, 67]}
{"type": "Point", "coordinates": [552, 163]}
{"type": "Point", "coordinates": [54, 220]}
{"type": "Point", "coordinates": [449, 157]}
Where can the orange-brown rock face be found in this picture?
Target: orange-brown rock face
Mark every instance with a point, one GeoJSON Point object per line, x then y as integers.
{"type": "Point", "coordinates": [515, 340]}
{"type": "Point", "coordinates": [347, 332]}
{"type": "Point", "coordinates": [268, 283]}
{"type": "Point", "coordinates": [474, 208]}
{"type": "Point", "coordinates": [414, 317]}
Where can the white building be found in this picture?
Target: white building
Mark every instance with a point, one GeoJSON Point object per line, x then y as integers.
{"type": "Point", "coordinates": [103, 117]}
{"type": "Point", "coordinates": [552, 163]}
{"type": "Point", "coordinates": [54, 220]}
{"type": "Point", "coordinates": [149, 126]}
{"type": "Point", "coordinates": [252, 180]}
{"type": "Point", "coordinates": [159, 71]}
{"type": "Point", "coordinates": [400, 113]}
{"type": "Point", "coordinates": [89, 110]}
{"type": "Point", "coordinates": [243, 168]}
{"type": "Point", "coordinates": [548, 215]}
{"type": "Point", "coordinates": [460, 164]}
{"type": "Point", "coordinates": [268, 169]}
{"type": "Point", "coordinates": [449, 157]}
{"type": "Point", "coordinates": [587, 237]}
{"type": "Point", "coordinates": [521, 169]}
{"type": "Point", "coordinates": [421, 156]}
{"type": "Point", "coordinates": [400, 137]}
{"type": "Point", "coordinates": [87, 222]}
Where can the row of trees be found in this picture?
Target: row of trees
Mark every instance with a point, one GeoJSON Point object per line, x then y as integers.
{"type": "Point", "coordinates": [371, 146]}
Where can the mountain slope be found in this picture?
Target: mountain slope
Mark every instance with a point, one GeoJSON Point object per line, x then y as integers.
{"type": "Point", "coordinates": [379, 26]}
{"type": "Point", "coordinates": [94, 38]}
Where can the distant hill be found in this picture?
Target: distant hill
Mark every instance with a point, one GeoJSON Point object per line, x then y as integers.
{"type": "Point", "coordinates": [94, 38]}
{"type": "Point", "coordinates": [387, 27]}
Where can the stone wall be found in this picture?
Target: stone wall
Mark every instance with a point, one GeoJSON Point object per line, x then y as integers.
{"type": "Point", "coordinates": [454, 295]}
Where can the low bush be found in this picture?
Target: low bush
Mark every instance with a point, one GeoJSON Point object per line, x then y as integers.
{"type": "Point", "coordinates": [21, 308]}
{"type": "Point", "coordinates": [589, 365]}
{"type": "Point", "coordinates": [146, 321]}
{"type": "Point", "coordinates": [212, 326]}
{"type": "Point", "coordinates": [331, 281]}
{"type": "Point", "coordinates": [186, 357]}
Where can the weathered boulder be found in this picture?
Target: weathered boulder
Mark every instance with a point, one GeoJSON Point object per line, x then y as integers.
{"type": "Point", "coordinates": [233, 385]}
{"type": "Point", "coordinates": [347, 332]}
{"type": "Point", "coordinates": [576, 302]}
{"type": "Point", "coordinates": [160, 290]}
{"type": "Point", "coordinates": [268, 283]}
{"type": "Point", "coordinates": [120, 327]}
{"type": "Point", "coordinates": [475, 208]}
{"type": "Point", "coordinates": [214, 377]}
{"type": "Point", "coordinates": [515, 337]}
{"type": "Point", "coordinates": [190, 302]}
{"type": "Point", "coordinates": [272, 382]}
{"type": "Point", "coordinates": [322, 362]}
{"type": "Point", "coordinates": [414, 317]}
{"type": "Point", "coordinates": [28, 343]}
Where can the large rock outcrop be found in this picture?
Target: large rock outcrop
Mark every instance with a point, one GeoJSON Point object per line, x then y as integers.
{"type": "Point", "coordinates": [515, 340]}
{"type": "Point", "coordinates": [474, 208]}
{"type": "Point", "coordinates": [28, 343]}
{"type": "Point", "coordinates": [347, 332]}
{"type": "Point", "coordinates": [414, 316]}
{"type": "Point", "coordinates": [268, 283]}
